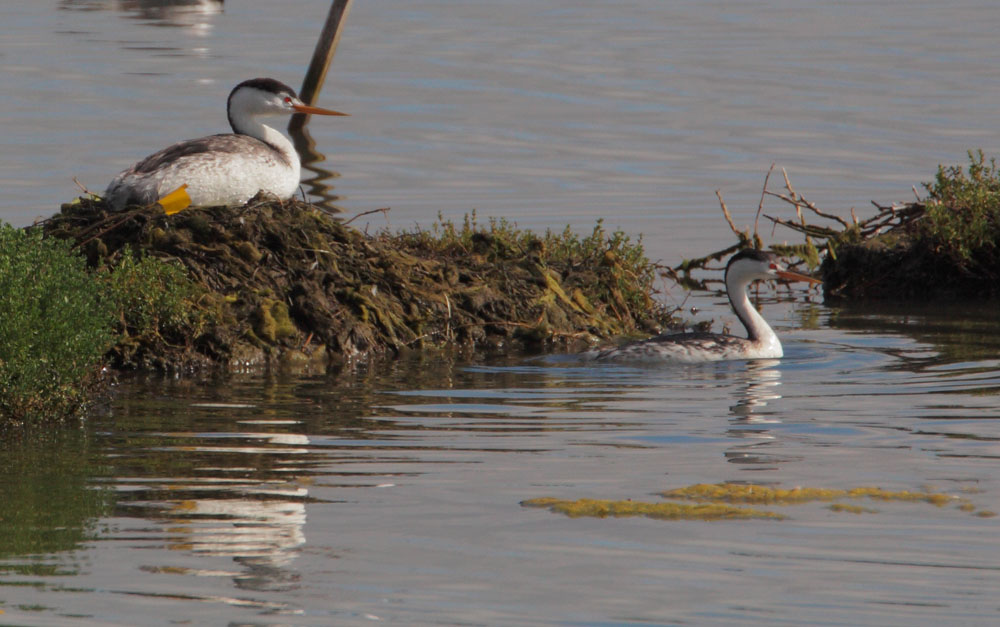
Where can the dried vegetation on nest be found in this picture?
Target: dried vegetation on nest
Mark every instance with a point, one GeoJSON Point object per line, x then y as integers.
{"type": "Point", "coordinates": [286, 281]}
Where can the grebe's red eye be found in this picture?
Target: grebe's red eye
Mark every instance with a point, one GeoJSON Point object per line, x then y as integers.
{"type": "Point", "coordinates": [288, 100]}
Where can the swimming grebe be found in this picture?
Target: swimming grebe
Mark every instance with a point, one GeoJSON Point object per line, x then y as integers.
{"type": "Point", "coordinates": [743, 268]}
{"type": "Point", "coordinates": [227, 169]}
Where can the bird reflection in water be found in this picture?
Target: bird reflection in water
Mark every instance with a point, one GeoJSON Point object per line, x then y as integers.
{"type": "Point", "coordinates": [165, 10]}
{"type": "Point", "coordinates": [763, 377]}
{"type": "Point", "coordinates": [190, 15]}
{"type": "Point", "coordinates": [751, 414]}
{"type": "Point", "coordinates": [258, 524]}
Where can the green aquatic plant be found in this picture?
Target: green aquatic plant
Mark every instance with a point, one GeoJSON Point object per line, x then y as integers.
{"type": "Point", "coordinates": [60, 322]}
{"type": "Point", "coordinates": [150, 294]}
{"type": "Point", "coordinates": [962, 217]}
{"type": "Point", "coordinates": [55, 326]}
{"type": "Point", "coordinates": [153, 300]}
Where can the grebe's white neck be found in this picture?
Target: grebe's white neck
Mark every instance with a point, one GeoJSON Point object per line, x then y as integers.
{"type": "Point", "coordinates": [759, 332]}
{"type": "Point", "coordinates": [245, 111]}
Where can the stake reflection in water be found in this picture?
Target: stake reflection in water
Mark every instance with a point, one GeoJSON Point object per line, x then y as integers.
{"type": "Point", "coordinates": [319, 187]}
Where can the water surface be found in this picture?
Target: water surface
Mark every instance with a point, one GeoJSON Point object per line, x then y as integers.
{"type": "Point", "coordinates": [391, 492]}
{"type": "Point", "coordinates": [547, 113]}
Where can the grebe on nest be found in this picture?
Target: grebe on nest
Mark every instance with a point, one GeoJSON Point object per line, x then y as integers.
{"type": "Point", "coordinates": [744, 268]}
{"type": "Point", "coordinates": [227, 169]}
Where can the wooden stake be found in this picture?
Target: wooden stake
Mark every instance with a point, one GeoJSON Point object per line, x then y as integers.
{"type": "Point", "coordinates": [322, 57]}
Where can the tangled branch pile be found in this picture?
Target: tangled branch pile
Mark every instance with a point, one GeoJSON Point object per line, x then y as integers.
{"type": "Point", "coordinates": [943, 246]}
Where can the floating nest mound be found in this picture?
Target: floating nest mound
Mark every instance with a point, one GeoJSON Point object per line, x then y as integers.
{"type": "Point", "coordinates": [287, 282]}
{"type": "Point", "coordinates": [943, 247]}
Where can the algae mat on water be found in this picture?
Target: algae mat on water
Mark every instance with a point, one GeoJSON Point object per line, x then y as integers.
{"type": "Point", "coordinates": [726, 501]}
{"type": "Point", "coordinates": [286, 281]}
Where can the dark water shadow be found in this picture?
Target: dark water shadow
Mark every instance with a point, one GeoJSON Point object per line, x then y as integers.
{"type": "Point", "coordinates": [953, 332]}
{"type": "Point", "coordinates": [51, 502]}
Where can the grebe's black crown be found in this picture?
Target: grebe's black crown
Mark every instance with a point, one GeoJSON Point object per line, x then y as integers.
{"type": "Point", "coordinates": [265, 84]}
{"type": "Point", "coordinates": [754, 254]}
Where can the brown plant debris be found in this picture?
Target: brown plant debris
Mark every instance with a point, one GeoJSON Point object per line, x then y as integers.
{"type": "Point", "coordinates": [288, 281]}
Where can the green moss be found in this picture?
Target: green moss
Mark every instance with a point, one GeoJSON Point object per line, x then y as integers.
{"type": "Point", "coordinates": [249, 252]}
{"type": "Point", "coordinates": [158, 307]}
{"type": "Point", "coordinates": [271, 321]}
{"type": "Point", "coordinates": [264, 325]}
{"type": "Point", "coordinates": [283, 326]}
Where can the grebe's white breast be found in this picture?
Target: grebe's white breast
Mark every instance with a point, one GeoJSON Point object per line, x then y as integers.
{"type": "Point", "coordinates": [227, 169]}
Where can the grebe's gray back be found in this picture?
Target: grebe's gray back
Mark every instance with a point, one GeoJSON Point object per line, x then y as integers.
{"type": "Point", "coordinates": [227, 169]}
{"type": "Point", "coordinates": [744, 267]}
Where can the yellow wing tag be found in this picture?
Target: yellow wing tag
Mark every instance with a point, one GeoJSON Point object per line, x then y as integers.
{"type": "Point", "coordinates": [177, 200]}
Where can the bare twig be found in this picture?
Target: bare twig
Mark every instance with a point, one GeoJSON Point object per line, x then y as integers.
{"type": "Point", "coordinates": [102, 228]}
{"type": "Point", "coordinates": [699, 262]}
{"type": "Point", "coordinates": [384, 210]}
{"type": "Point", "coordinates": [799, 200]}
{"type": "Point", "coordinates": [725, 212]}
{"type": "Point", "coordinates": [83, 187]}
{"type": "Point", "coordinates": [688, 265]}
{"type": "Point", "coordinates": [808, 229]}
{"type": "Point", "coordinates": [760, 206]}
